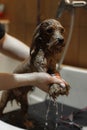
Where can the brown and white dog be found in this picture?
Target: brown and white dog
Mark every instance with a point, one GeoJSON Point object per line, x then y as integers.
{"type": "Point", "coordinates": [47, 43]}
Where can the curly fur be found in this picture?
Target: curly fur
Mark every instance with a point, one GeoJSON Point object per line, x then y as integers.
{"type": "Point", "coordinates": [47, 43]}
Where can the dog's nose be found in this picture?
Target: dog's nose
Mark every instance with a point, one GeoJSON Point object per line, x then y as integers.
{"type": "Point", "coordinates": [60, 40]}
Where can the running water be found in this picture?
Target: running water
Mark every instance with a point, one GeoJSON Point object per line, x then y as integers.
{"type": "Point", "coordinates": [47, 114]}
{"type": "Point", "coordinates": [54, 104]}
{"type": "Point", "coordinates": [61, 107]}
{"type": "Point", "coordinates": [56, 114]}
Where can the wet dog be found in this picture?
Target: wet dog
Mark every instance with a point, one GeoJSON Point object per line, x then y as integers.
{"type": "Point", "coordinates": [47, 43]}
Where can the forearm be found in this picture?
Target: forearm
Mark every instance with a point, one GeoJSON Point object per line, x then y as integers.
{"type": "Point", "coordinates": [9, 81]}
{"type": "Point", "coordinates": [14, 48]}
{"type": "Point", "coordinates": [41, 80]}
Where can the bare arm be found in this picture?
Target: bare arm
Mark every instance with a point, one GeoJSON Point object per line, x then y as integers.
{"type": "Point", "coordinates": [41, 80]}
{"type": "Point", "coordinates": [14, 48]}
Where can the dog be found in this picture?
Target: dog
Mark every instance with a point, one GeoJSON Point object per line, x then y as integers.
{"type": "Point", "coordinates": [47, 44]}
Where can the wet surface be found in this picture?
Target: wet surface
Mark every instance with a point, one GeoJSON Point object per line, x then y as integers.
{"type": "Point", "coordinates": [37, 114]}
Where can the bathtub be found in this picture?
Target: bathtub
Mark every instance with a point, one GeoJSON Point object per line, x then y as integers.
{"type": "Point", "coordinates": [76, 77]}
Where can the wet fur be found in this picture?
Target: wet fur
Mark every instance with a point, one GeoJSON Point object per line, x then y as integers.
{"type": "Point", "coordinates": [47, 43]}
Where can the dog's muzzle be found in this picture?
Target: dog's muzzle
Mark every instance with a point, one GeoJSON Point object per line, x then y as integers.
{"type": "Point", "coordinates": [60, 41]}
{"type": "Point", "coordinates": [56, 44]}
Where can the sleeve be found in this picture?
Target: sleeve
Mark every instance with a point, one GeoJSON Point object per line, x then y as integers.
{"type": "Point", "coordinates": [2, 30]}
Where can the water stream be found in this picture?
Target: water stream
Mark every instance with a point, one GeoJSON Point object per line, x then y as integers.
{"type": "Point", "coordinates": [52, 104]}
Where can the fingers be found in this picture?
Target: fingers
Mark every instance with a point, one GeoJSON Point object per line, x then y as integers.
{"type": "Point", "coordinates": [59, 81]}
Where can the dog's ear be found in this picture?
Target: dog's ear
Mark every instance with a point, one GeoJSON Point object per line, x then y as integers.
{"type": "Point", "coordinates": [36, 35]}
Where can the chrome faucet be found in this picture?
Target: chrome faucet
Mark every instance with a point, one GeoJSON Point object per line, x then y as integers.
{"type": "Point", "coordinates": [68, 4]}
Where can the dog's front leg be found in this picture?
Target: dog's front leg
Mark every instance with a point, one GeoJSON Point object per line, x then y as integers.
{"type": "Point", "coordinates": [40, 62]}
{"type": "Point", "coordinates": [59, 89]}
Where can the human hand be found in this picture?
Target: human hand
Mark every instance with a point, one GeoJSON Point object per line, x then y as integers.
{"type": "Point", "coordinates": [44, 80]}
{"type": "Point", "coordinates": [59, 89]}
{"type": "Point", "coordinates": [54, 85]}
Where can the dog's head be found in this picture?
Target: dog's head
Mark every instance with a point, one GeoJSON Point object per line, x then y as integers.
{"type": "Point", "coordinates": [48, 36]}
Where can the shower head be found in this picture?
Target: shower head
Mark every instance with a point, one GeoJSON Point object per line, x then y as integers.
{"type": "Point", "coordinates": [69, 4]}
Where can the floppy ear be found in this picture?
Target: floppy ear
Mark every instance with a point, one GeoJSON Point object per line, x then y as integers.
{"type": "Point", "coordinates": [36, 35]}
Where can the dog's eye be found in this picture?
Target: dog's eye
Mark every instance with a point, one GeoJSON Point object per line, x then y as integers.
{"type": "Point", "coordinates": [62, 30]}
{"type": "Point", "coordinates": [49, 30]}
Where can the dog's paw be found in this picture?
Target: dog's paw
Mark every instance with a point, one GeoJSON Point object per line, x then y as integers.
{"type": "Point", "coordinates": [59, 89]}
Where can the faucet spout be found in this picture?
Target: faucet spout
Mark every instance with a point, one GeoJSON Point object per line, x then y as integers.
{"type": "Point", "coordinates": [61, 9]}
{"type": "Point", "coordinates": [63, 5]}
{"type": "Point", "coordinates": [69, 4]}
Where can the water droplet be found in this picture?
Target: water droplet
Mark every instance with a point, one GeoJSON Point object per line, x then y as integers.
{"type": "Point", "coordinates": [46, 123]}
